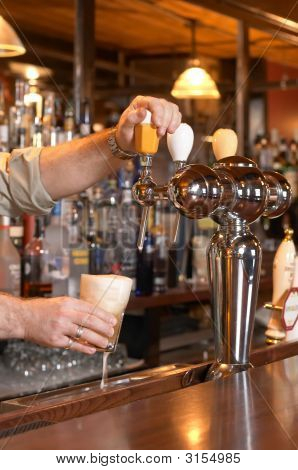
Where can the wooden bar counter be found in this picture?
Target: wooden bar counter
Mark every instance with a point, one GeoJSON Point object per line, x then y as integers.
{"type": "Point", "coordinates": [257, 409]}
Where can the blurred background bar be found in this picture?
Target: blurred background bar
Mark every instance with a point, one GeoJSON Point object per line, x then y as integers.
{"type": "Point", "coordinates": [81, 63]}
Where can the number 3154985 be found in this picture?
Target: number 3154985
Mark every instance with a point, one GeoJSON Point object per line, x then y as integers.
{"type": "Point", "coordinates": [206, 457]}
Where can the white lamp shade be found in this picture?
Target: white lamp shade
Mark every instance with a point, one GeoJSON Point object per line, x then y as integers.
{"type": "Point", "coordinates": [195, 83]}
{"type": "Point", "coordinates": [10, 43]}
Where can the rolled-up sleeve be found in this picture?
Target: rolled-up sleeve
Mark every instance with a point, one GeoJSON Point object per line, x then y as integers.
{"type": "Point", "coordinates": [21, 188]}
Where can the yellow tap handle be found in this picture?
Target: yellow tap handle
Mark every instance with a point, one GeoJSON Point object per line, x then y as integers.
{"type": "Point", "coordinates": [146, 138]}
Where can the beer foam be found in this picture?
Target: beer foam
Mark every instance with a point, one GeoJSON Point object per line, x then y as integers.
{"type": "Point", "coordinates": [109, 292]}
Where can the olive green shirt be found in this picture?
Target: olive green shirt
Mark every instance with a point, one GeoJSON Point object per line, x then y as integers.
{"type": "Point", "coordinates": [21, 188]}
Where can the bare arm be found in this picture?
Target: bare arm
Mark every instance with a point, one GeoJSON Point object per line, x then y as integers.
{"type": "Point", "coordinates": [65, 170]}
{"type": "Point", "coordinates": [72, 167]}
{"type": "Point", "coordinates": [51, 322]}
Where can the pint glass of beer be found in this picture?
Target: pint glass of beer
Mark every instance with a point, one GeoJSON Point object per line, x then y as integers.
{"type": "Point", "coordinates": [111, 293]}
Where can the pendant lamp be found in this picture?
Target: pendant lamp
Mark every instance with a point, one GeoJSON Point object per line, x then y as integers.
{"type": "Point", "coordinates": [195, 82]}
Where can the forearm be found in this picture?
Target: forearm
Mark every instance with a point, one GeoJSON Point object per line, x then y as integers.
{"type": "Point", "coordinates": [74, 166]}
{"type": "Point", "coordinates": [11, 324]}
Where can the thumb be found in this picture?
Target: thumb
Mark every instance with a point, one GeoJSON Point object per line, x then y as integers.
{"type": "Point", "coordinates": [125, 129]}
{"type": "Point", "coordinates": [134, 117]}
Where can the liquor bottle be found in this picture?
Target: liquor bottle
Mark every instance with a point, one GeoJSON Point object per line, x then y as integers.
{"type": "Point", "coordinates": [36, 263]}
{"type": "Point", "coordinates": [95, 248]}
{"type": "Point", "coordinates": [33, 101]}
{"type": "Point", "coordinates": [95, 256]}
{"type": "Point", "coordinates": [95, 266]}
{"type": "Point", "coordinates": [160, 259]}
{"type": "Point", "coordinates": [85, 120]}
{"type": "Point", "coordinates": [78, 250]}
{"type": "Point", "coordinates": [37, 138]}
{"type": "Point", "coordinates": [292, 335]}
{"type": "Point", "coordinates": [58, 239]}
{"type": "Point", "coordinates": [274, 147]}
{"type": "Point", "coordinates": [129, 225]}
{"type": "Point", "coordinates": [108, 214]}
{"type": "Point", "coordinates": [20, 118]}
{"type": "Point", "coordinates": [283, 153]}
{"type": "Point", "coordinates": [257, 148]}
{"type": "Point", "coordinates": [127, 175]}
{"type": "Point", "coordinates": [16, 233]}
{"type": "Point", "coordinates": [174, 250]}
{"type": "Point", "coordinates": [144, 285]}
{"type": "Point", "coordinates": [293, 153]}
{"type": "Point", "coordinates": [203, 231]}
{"type": "Point", "coordinates": [283, 275]}
{"type": "Point", "coordinates": [59, 121]}
{"type": "Point", "coordinates": [274, 228]}
{"type": "Point", "coordinates": [265, 155]}
{"type": "Point", "coordinates": [4, 141]}
{"type": "Point", "coordinates": [69, 123]}
{"type": "Point", "coordinates": [48, 121]}
{"type": "Point", "coordinates": [10, 261]}
{"type": "Point", "coordinates": [290, 173]}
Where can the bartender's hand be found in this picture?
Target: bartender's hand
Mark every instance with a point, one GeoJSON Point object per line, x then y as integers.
{"type": "Point", "coordinates": [52, 322]}
{"type": "Point", "coordinates": [165, 116]}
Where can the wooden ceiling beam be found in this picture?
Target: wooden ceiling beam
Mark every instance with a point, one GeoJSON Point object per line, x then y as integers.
{"type": "Point", "coordinates": [118, 68]}
{"type": "Point", "coordinates": [282, 28]}
{"type": "Point", "coordinates": [103, 93]}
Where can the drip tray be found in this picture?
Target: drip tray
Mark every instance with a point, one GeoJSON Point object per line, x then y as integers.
{"type": "Point", "coordinates": [84, 390]}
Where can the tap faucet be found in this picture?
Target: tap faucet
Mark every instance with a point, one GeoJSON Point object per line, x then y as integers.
{"type": "Point", "coordinates": [180, 145]}
{"type": "Point", "coordinates": [234, 193]}
{"type": "Point", "coordinates": [146, 144]}
{"type": "Point", "coordinates": [145, 191]}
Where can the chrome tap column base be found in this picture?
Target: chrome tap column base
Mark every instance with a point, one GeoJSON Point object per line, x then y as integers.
{"type": "Point", "coordinates": [234, 269]}
{"type": "Point", "coordinates": [220, 371]}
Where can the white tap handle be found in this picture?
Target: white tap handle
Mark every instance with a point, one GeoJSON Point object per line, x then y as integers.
{"type": "Point", "coordinates": [180, 143]}
{"type": "Point", "coordinates": [224, 143]}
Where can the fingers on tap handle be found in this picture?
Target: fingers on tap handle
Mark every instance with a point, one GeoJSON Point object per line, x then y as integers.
{"type": "Point", "coordinates": [143, 227]}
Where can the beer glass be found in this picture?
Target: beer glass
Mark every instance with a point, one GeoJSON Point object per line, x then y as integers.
{"type": "Point", "coordinates": [111, 293]}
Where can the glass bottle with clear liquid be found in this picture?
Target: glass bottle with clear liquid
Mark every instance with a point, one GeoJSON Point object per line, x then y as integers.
{"type": "Point", "coordinates": [58, 238]}
{"type": "Point", "coordinates": [4, 141]}
{"type": "Point", "coordinates": [130, 223]}
{"type": "Point", "coordinates": [107, 217]}
{"type": "Point", "coordinates": [36, 274]}
{"type": "Point", "coordinates": [160, 263]}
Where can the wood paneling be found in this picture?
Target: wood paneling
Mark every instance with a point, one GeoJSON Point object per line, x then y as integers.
{"type": "Point", "coordinates": [153, 26]}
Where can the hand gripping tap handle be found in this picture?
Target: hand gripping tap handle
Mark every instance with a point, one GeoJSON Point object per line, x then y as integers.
{"type": "Point", "coordinates": [180, 145]}
{"type": "Point", "coordinates": [146, 144]}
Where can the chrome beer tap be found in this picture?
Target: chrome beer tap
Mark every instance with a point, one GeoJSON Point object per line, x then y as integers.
{"type": "Point", "coordinates": [146, 144]}
{"type": "Point", "coordinates": [145, 191]}
{"type": "Point", "coordinates": [234, 193]}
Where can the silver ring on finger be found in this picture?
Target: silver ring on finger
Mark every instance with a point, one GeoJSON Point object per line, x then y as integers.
{"type": "Point", "coordinates": [79, 332]}
{"type": "Point", "coordinates": [69, 344]}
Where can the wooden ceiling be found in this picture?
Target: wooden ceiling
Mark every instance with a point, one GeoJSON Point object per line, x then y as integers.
{"type": "Point", "coordinates": [145, 27]}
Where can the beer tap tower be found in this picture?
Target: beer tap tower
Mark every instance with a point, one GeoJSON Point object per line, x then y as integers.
{"type": "Point", "coordinates": [234, 193]}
